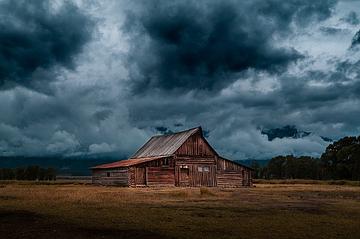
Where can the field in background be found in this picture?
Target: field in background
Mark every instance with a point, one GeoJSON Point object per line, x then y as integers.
{"type": "Point", "coordinates": [306, 181]}
{"type": "Point", "coordinates": [65, 210]}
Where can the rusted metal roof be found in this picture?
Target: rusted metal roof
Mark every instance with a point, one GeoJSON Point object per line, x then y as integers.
{"type": "Point", "coordinates": [163, 145]}
{"type": "Point", "coordinates": [127, 163]}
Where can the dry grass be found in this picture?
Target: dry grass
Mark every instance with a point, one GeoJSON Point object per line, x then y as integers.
{"type": "Point", "coordinates": [265, 211]}
{"type": "Point", "coordinates": [306, 181]}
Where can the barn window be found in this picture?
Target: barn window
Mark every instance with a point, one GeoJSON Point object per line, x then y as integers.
{"type": "Point", "coordinates": [206, 169]}
{"type": "Point", "coordinates": [108, 174]}
{"type": "Point", "coordinates": [166, 162]}
{"type": "Point", "coordinates": [200, 169]}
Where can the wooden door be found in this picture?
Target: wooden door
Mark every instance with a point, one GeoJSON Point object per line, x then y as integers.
{"type": "Point", "coordinates": [184, 177]}
{"type": "Point", "coordinates": [140, 176]}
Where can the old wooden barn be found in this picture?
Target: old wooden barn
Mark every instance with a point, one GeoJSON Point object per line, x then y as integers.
{"type": "Point", "coordinates": [180, 159]}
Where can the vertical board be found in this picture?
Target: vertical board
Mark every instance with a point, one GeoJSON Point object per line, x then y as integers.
{"type": "Point", "coordinates": [140, 176]}
{"type": "Point", "coordinates": [160, 176]}
{"type": "Point", "coordinates": [195, 145]}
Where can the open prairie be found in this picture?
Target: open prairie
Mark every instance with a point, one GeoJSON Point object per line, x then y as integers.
{"type": "Point", "coordinates": [29, 210]}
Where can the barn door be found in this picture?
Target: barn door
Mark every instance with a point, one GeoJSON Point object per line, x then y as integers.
{"type": "Point", "coordinates": [184, 177]}
{"type": "Point", "coordinates": [140, 176]}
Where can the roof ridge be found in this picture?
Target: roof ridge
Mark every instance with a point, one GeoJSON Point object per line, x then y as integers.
{"type": "Point", "coordinates": [179, 132]}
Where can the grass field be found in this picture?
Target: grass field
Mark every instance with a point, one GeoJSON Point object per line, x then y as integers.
{"type": "Point", "coordinates": [58, 210]}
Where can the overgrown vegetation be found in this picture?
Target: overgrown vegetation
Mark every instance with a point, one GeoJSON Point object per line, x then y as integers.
{"type": "Point", "coordinates": [340, 161]}
{"type": "Point", "coordinates": [28, 173]}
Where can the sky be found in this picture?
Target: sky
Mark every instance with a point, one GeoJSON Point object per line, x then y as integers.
{"type": "Point", "coordinates": [101, 77]}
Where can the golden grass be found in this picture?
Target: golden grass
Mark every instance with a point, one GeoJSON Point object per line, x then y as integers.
{"type": "Point", "coordinates": [265, 211]}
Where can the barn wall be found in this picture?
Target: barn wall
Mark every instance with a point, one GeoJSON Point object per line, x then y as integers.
{"type": "Point", "coordinates": [132, 177]}
{"type": "Point", "coordinates": [160, 176]}
{"type": "Point", "coordinates": [195, 146]}
{"type": "Point", "coordinates": [195, 172]}
{"type": "Point", "coordinates": [230, 174]}
{"type": "Point", "coordinates": [118, 177]}
{"type": "Point", "coordinates": [157, 173]}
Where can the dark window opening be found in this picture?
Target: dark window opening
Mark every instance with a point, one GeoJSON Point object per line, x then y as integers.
{"type": "Point", "coordinates": [166, 162]}
{"type": "Point", "coordinates": [107, 174]}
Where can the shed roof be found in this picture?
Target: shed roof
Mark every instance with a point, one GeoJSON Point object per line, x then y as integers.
{"type": "Point", "coordinates": [127, 163]}
{"type": "Point", "coordinates": [162, 145]}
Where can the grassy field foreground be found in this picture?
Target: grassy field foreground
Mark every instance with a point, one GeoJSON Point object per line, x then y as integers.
{"type": "Point", "coordinates": [265, 211]}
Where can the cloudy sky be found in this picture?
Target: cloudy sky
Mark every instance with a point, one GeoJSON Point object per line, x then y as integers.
{"type": "Point", "coordinates": [93, 77]}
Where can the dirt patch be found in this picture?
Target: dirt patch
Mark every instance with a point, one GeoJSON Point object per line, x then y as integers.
{"type": "Point", "coordinates": [25, 224]}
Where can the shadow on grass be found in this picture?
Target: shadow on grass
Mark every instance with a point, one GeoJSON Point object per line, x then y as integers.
{"type": "Point", "coordinates": [24, 224]}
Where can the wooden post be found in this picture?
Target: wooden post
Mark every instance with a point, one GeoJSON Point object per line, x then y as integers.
{"type": "Point", "coordinates": [146, 176]}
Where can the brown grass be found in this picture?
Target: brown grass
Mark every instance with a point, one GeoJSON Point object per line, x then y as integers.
{"type": "Point", "coordinates": [265, 211]}
{"type": "Point", "coordinates": [306, 181]}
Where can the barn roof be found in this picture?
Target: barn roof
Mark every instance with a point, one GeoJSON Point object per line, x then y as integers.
{"type": "Point", "coordinates": [162, 145]}
{"type": "Point", "coordinates": [127, 163]}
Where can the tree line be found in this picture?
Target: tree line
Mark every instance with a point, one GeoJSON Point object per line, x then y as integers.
{"type": "Point", "coordinates": [28, 173]}
{"type": "Point", "coordinates": [340, 161]}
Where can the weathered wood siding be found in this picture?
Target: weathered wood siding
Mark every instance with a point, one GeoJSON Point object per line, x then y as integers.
{"type": "Point", "coordinates": [119, 177]}
{"type": "Point", "coordinates": [229, 179]}
{"type": "Point", "coordinates": [132, 176]}
{"type": "Point", "coordinates": [160, 176]}
{"type": "Point", "coordinates": [195, 171]}
{"type": "Point", "coordinates": [230, 174]}
{"type": "Point", "coordinates": [155, 173]}
{"type": "Point", "coordinates": [195, 146]}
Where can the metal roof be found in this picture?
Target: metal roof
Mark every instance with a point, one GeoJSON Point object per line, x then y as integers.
{"type": "Point", "coordinates": [163, 145]}
{"type": "Point", "coordinates": [127, 163]}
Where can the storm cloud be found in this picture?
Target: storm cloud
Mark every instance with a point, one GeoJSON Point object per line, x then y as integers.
{"type": "Point", "coordinates": [128, 70]}
{"type": "Point", "coordinates": [207, 44]}
{"type": "Point", "coordinates": [39, 35]}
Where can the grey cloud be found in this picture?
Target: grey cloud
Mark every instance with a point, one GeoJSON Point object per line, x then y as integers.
{"type": "Point", "coordinates": [93, 109]}
{"type": "Point", "coordinates": [352, 18]}
{"type": "Point", "coordinates": [207, 44]}
{"type": "Point", "coordinates": [39, 34]}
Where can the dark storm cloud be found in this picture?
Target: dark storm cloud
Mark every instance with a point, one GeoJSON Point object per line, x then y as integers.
{"type": "Point", "coordinates": [206, 44]}
{"type": "Point", "coordinates": [34, 34]}
{"type": "Point", "coordinates": [352, 18]}
{"type": "Point", "coordinates": [356, 39]}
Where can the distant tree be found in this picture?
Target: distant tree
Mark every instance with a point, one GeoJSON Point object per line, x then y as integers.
{"type": "Point", "coordinates": [42, 174]}
{"type": "Point", "coordinates": [7, 174]}
{"type": "Point", "coordinates": [28, 173]}
{"type": "Point", "coordinates": [291, 167]}
{"type": "Point", "coordinates": [50, 174]}
{"type": "Point", "coordinates": [275, 168]}
{"type": "Point", "coordinates": [341, 160]}
{"type": "Point", "coordinates": [32, 173]}
{"type": "Point", "coordinates": [20, 174]}
{"type": "Point", "coordinates": [257, 169]}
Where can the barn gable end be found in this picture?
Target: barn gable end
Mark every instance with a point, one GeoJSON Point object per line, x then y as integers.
{"type": "Point", "coordinates": [196, 145]}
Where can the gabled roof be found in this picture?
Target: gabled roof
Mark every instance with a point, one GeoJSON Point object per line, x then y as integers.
{"type": "Point", "coordinates": [164, 145]}
{"type": "Point", "coordinates": [127, 163]}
